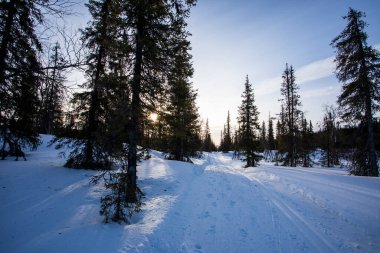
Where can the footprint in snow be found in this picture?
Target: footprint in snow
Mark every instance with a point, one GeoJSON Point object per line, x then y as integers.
{"type": "Point", "coordinates": [198, 248]}
{"type": "Point", "coordinates": [243, 232]}
{"type": "Point", "coordinates": [212, 230]}
{"type": "Point", "coordinates": [204, 215]}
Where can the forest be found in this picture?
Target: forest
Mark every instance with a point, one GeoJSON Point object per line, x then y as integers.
{"type": "Point", "coordinates": [139, 96]}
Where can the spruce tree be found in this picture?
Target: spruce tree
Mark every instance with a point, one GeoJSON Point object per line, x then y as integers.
{"type": "Point", "coordinates": [153, 27]}
{"type": "Point", "coordinates": [52, 93]}
{"type": "Point", "coordinates": [290, 116]}
{"type": "Point", "coordinates": [249, 125]}
{"type": "Point", "coordinates": [182, 116]}
{"type": "Point", "coordinates": [328, 135]}
{"type": "Point", "coordinates": [305, 142]}
{"type": "Point", "coordinates": [92, 141]}
{"type": "Point", "coordinates": [208, 144]}
{"type": "Point", "coordinates": [263, 137]}
{"type": "Point", "coordinates": [19, 72]}
{"type": "Point", "coordinates": [270, 137]}
{"type": "Point", "coordinates": [358, 68]}
{"type": "Point", "coordinates": [226, 138]}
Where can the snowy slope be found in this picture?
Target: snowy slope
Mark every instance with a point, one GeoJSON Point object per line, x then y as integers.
{"type": "Point", "coordinates": [214, 205]}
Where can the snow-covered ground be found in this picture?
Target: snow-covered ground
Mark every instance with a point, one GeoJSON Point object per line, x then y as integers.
{"type": "Point", "coordinates": [214, 205]}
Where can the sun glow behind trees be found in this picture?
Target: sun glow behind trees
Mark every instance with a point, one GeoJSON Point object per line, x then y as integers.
{"type": "Point", "coordinates": [153, 117]}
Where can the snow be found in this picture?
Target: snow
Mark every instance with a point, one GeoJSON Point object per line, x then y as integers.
{"type": "Point", "coordinates": [213, 205]}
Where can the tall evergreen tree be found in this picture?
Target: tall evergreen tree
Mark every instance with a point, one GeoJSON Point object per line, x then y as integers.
{"type": "Point", "coordinates": [208, 145]}
{"type": "Point", "coordinates": [263, 136]}
{"type": "Point", "coordinates": [290, 115]}
{"type": "Point", "coordinates": [328, 135]}
{"type": "Point", "coordinates": [249, 125]}
{"type": "Point", "coordinates": [305, 142]}
{"type": "Point", "coordinates": [19, 72]}
{"type": "Point", "coordinates": [52, 94]}
{"type": "Point", "coordinates": [154, 27]}
{"type": "Point", "coordinates": [226, 138]}
{"type": "Point", "coordinates": [92, 141]}
{"type": "Point", "coordinates": [270, 137]}
{"type": "Point", "coordinates": [358, 68]}
{"type": "Point", "coordinates": [182, 115]}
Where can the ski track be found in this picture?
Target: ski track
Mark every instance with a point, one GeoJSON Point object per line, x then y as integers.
{"type": "Point", "coordinates": [264, 210]}
{"type": "Point", "coordinates": [214, 205]}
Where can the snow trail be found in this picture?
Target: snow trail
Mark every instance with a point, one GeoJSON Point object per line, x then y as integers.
{"type": "Point", "coordinates": [213, 205]}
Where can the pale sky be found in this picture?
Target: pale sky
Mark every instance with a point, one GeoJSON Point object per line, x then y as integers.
{"type": "Point", "coordinates": [232, 39]}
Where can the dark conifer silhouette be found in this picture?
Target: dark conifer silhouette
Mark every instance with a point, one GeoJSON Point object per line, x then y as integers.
{"type": "Point", "coordinates": [328, 136]}
{"type": "Point", "coordinates": [181, 115]}
{"type": "Point", "coordinates": [289, 117]}
{"type": "Point", "coordinates": [249, 126]}
{"type": "Point", "coordinates": [270, 137]}
{"type": "Point", "coordinates": [208, 144]}
{"type": "Point", "coordinates": [358, 68]}
{"type": "Point", "coordinates": [52, 93]}
{"type": "Point", "coordinates": [226, 136]}
{"type": "Point", "coordinates": [19, 73]}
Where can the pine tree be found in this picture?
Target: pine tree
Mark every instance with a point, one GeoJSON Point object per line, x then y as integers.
{"type": "Point", "coordinates": [95, 138]}
{"type": "Point", "coordinates": [330, 155]}
{"type": "Point", "coordinates": [290, 116]}
{"type": "Point", "coordinates": [236, 143]}
{"type": "Point", "coordinates": [305, 142]}
{"type": "Point", "coordinates": [52, 94]}
{"type": "Point", "coordinates": [263, 137]}
{"type": "Point", "coordinates": [357, 67]}
{"type": "Point", "coordinates": [154, 28]}
{"type": "Point", "coordinates": [270, 137]}
{"type": "Point", "coordinates": [249, 125]}
{"type": "Point", "coordinates": [221, 145]}
{"type": "Point", "coordinates": [208, 144]}
{"type": "Point", "coordinates": [182, 116]}
{"type": "Point", "coordinates": [19, 72]}
{"type": "Point", "coordinates": [226, 138]}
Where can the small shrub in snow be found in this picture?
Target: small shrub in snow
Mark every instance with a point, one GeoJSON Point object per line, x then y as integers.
{"type": "Point", "coordinates": [118, 204]}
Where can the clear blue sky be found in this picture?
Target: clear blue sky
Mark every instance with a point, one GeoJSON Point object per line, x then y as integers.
{"type": "Point", "coordinates": [232, 39]}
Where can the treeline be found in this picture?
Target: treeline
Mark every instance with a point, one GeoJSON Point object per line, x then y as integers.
{"type": "Point", "coordinates": [357, 68]}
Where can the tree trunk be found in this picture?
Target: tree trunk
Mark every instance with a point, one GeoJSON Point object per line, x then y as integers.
{"type": "Point", "coordinates": [372, 159]}
{"type": "Point", "coordinates": [135, 111]}
{"type": "Point", "coordinates": [93, 123]}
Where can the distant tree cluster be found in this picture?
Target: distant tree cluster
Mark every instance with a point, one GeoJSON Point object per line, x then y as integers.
{"type": "Point", "coordinates": [357, 67]}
